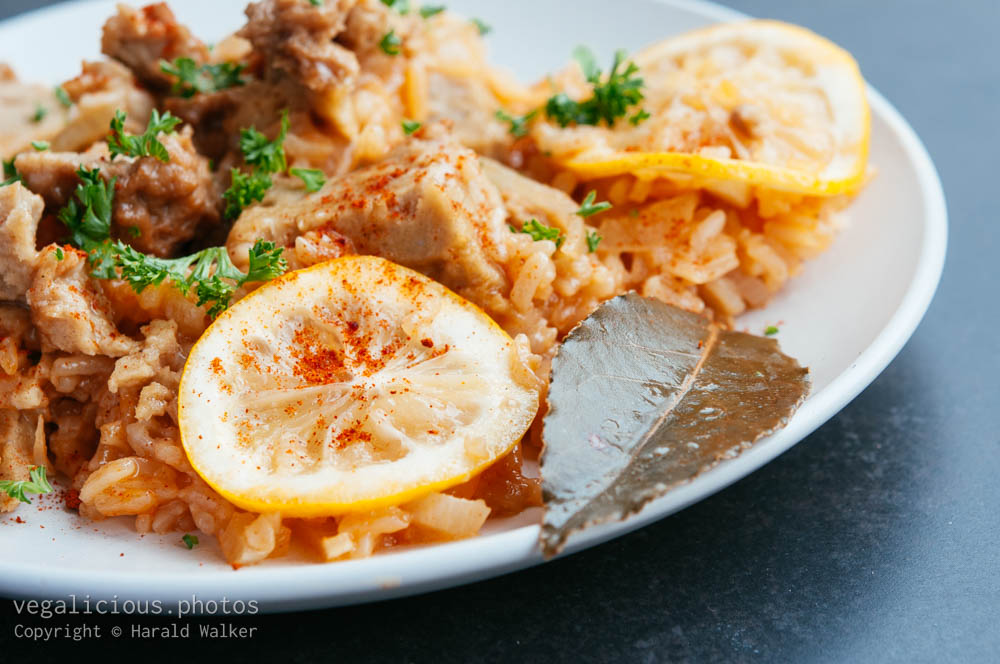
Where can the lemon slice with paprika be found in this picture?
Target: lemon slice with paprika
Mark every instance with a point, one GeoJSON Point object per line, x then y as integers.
{"type": "Point", "coordinates": [761, 102]}
{"type": "Point", "coordinates": [347, 386]}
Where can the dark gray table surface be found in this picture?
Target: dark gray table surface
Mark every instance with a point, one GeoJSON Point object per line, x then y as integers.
{"type": "Point", "coordinates": [876, 539]}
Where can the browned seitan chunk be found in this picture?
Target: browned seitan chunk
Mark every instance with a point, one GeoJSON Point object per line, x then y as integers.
{"type": "Point", "coordinates": [140, 38]}
{"type": "Point", "coordinates": [168, 203]}
{"type": "Point", "coordinates": [428, 206]}
{"type": "Point", "coordinates": [20, 211]}
{"type": "Point", "coordinates": [296, 39]}
{"type": "Point", "coordinates": [70, 311]}
{"type": "Point", "coordinates": [17, 441]}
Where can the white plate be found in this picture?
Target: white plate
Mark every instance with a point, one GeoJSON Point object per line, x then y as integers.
{"type": "Point", "coordinates": [846, 316]}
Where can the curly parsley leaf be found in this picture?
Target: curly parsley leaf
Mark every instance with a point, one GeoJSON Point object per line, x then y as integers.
{"type": "Point", "coordinates": [10, 174]}
{"type": "Point", "coordinates": [193, 79]}
{"type": "Point", "coordinates": [589, 207]}
{"type": "Point", "coordinates": [265, 155]}
{"type": "Point", "coordinates": [191, 541]}
{"type": "Point", "coordinates": [145, 145]}
{"type": "Point", "coordinates": [36, 484]}
{"type": "Point", "coordinates": [390, 43]}
{"type": "Point", "coordinates": [432, 10]}
{"type": "Point", "coordinates": [39, 114]}
{"type": "Point", "coordinates": [593, 239]}
{"type": "Point", "coordinates": [40, 146]}
{"type": "Point", "coordinates": [483, 27]}
{"type": "Point", "coordinates": [63, 96]}
{"type": "Point", "coordinates": [313, 178]}
{"type": "Point", "coordinates": [518, 124]}
{"type": "Point", "coordinates": [401, 6]}
{"type": "Point", "coordinates": [539, 231]}
{"type": "Point", "coordinates": [643, 114]}
{"type": "Point", "coordinates": [410, 127]}
{"type": "Point", "coordinates": [87, 215]}
{"type": "Point", "coordinates": [209, 273]}
{"type": "Point", "coordinates": [771, 330]}
{"type": "Point", "coordinates": [244, 191]}
{"type": "Point", "coordinates": [610, 99]}
{"type": "Point", "coordinates": [314, 3]}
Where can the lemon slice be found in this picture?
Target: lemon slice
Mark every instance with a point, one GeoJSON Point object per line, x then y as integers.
{"type": "Point", "coordinates": [347, 386]}
{"type": "Point", "coordinates": [761, 102]}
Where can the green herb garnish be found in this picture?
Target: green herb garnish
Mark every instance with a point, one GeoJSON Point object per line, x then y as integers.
{"type": "Point", "coordinates": [145, 145]}
{"type": "Point", "coordinates": [193, 79]}
{"type": "Point", "coordinates": [593, 239]}
{"type": "Point", "coordinates": [410, 126]}
{"type": "Point", "coordinates": [483, 27]}
{"type": "Point", "coordinates": [264, 157]}
{"type": "Point", "coordinates": [191, 541]}
{"type": "Point", "coordinates": [244, 191]}
{"type": "Point", "coordinates": [209, 273]}
{"type": "Point", "coordinates": [314, 3]}
{"type": "Point", "coordinates": [610, 100]}
{"type": "Point", "coordinates": [589, 207]}
{"type": "Point", "coordinates": [87, 215]}
{"type": "Point", "coordinates": [539, 231]}
{"type": "Point", "coordinates": [643, 114]}
{"type": "Point", "coordinates": [40, 146]}
{"type": "Point", "coordinates": [313, 178]}
{"type": "Point", "coordinates": [263, 154]}
{"type": "Point", "coordinates": [63, 96]}
{"type": "Point", "coordinates": [39, 114]}
{"type": "Point", "coordinates": [10, 173]}
{"type": "Point", "coordinates": [37, 484]}
{"type": "Point", "coordinates": [60, 254]}
{"type": "Point", "coordinates": [401, 6]}
{"type": "Point", "coordinates": [390, 43]}
{"type": "Point", "coordinates": [518, 125]}
{"type": "Point", "coordinates": [434, 10]}
{"type": "Point", "coordinates": [771, 330]}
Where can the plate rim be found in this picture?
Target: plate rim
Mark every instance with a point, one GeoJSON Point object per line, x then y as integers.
{"type": "Point", "coordinates": [297, 586]}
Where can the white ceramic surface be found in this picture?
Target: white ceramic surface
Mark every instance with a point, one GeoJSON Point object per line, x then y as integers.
{"type": "Point", "coordinates": [846, 316]}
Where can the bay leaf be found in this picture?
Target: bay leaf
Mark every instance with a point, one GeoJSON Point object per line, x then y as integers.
{"type": "Point", "coordinates": [644, 397]}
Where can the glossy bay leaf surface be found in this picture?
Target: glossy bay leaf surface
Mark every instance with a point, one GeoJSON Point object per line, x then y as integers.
{"type": "Point", "coordinates": [645, 396]}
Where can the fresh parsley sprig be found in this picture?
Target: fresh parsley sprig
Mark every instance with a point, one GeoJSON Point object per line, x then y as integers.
{"type": "Point", "coordinates": [63, 96]}
{"type": "Point", "coordinates": [611, 97]}
{"type": "Point", "coordinates": [145, 145]}
{"type": "Point", "coordinates": [262, 153]}
{"type": "Point", "coordinates": [87, 215]}
{"type": "Point", "coordinates": [36, 484]}
{"type": "Point", "coordinates": [209, 273]}
{"type": "Point", "coordinates": [410, 127]}
{"type": "Point", "coordinates": [193, 79]}
{"type": "Point", "coordinates": [390, 43]}
{"type": "Point", "coordinates": [10, 174]}
{"type": "Point", "coordinates": [431, 10]}
{"type": "Point", "coordinates": [518, 124]}
{"type": "Point", "coordinates": [593, 239]}
{"type": "Point", "coordinates": [313, 178]}
{"type": "Point", "coordinates": [482, 26]}
{"type": "Point", "coordinates": [244, 191]}
{"type": "Point", "coordinates": [589, 208]}
{"type": "Point", "coordinates": [264, 157]}
{"type": "Point", "coordinates": [539, 231]}
{"type": "Point", "coordinates": [401, 6]}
